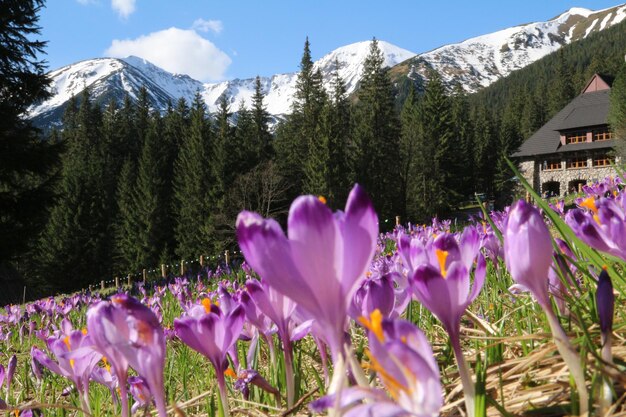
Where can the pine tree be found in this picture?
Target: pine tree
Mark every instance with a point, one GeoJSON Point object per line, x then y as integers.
{"type": "Point", "coordinates": [75, 245]}
{"type": "Point", "coordinates": [438, 131]}
{"type": "Point", "coordinates": [376, 134]}
{"type": "Point", "coordinates": [464, 141]}
{"type": "Point", "coordinates": [151, 198]}
{"type": "Point", "coordinates": [261, 117]}
{"type": "Point", "coordinates": [410, 138]}
{"type": "Point", "coordinates": [617, 112]}
{"type": "Point", "coordinates": [301, 133]}
{"type": "Point", "coordinates": [193, 183]}
{"type": "Point", "coordinates": [126, 252]}
{"type": "Point", "coordinates": [562, 90]}
{"type": "Point", "coordinates": [26, 161]}
{"type": "Point", "coordinates": [341, 147]}
{"type": "Point", "coordinates": [485, 154]}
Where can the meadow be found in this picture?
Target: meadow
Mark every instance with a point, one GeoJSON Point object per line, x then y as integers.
{"type": "Point", "coordinates": [519, 313]}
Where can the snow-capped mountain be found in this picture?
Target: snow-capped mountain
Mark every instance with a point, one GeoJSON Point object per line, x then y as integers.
{"type": "Point", "coordinates": [112, 78]}
{"type": "Point", "coordinates": [475, 63]}
{"type": "Point", "coordinates": [279, 89]}
{"type": "Point", "coordinates": [479, 61]}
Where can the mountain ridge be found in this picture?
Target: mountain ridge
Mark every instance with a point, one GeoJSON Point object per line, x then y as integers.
{"type": "Point", "coordinates": [474, 63]}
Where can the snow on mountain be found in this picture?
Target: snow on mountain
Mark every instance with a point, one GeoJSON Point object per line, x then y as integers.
{"type": "Point", "coordinates": [475, 63]}
{"type": "Point", "coordinates": [479, 61]}
{"type": "Point", "coordinates": [279, 89]}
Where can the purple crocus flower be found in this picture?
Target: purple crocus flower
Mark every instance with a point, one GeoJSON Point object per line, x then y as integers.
{"type": "Point", "coordinates": [127, 333]}
{"type": "Point", "coordinates": [280, 310]}
{"type": "Point", "coordinates": [528, 250]}
{"type": "Point", "coordinates": [12, 365]}
{"type": "Point", "coordinates": [404, 362]}
{"type": "Point", "coordinates": [605, 301]}
{"type": "Point", "coordinates": [442, 285]}
{"type": "Point", "coordinates": [3, 405]}
{"type": "Point", "coordinates": [76, 359]}
{"type": "Point", "coordinates": [322, 261]}
{"type": "Point", "coordinates": [603, 226]}
{"type": "Point", "coordinates": [375, 294]}
{"type": "Point", "coordinates": [212, 333]}
{"type": "Point", "coordinates": [140, 392]}
{"type": "Point", "coordinates": [528, 256]}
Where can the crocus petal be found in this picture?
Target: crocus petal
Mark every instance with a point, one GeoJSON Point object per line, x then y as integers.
{"type": "Point", "coordinates": [528, 249]}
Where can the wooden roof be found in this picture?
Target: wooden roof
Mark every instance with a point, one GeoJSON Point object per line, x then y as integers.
{"type": "Point", "coordinates": [589, 109]}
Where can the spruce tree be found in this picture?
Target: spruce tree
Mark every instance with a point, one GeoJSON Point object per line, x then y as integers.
{"type": "Point", "coordinates": [261, 117]}
{"type": "Point", "coordinates": [440, 139]}
{"type": "Point", "coordinates": [126, 254]}
{"type": "Point", "coordinates": [410, 139]}
{"type": "Point", "coordinates": [301, 133]}
{"type": "Point", "coordinates": [617, 112]}
{"type": "Point", "coordinates": [26, 162]}
{"type": "Point", "coordinates": [377, 135]}
{"type": "Point", "coordinates": [193, 184]}
{"type": "Point", "coordinates": [341, 147]}
{"type": "Point", "coordinates": [75, 244]}
{"type": "Point", "coordinates": [151, 197]}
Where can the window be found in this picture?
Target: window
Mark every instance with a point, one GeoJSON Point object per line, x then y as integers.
{"type": "Point", "coordinates": [575, 137]}
{"type": "Point", "coordinates": [602, 134]}
{"type": "Point", "coordinates": [577, 163]}
{"type": "Point", "coordinates": [551, 165]}
{"type": "Point", "coordinates": [603, 161]}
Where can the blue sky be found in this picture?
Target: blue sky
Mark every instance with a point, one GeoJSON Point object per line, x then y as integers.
{"type": "Point", "coordinates": [214, 40]}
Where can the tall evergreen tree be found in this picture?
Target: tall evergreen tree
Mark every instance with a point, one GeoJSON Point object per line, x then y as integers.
{"type": "Point", "coordinates": [562, 89]}
{"type": "Point", "coordinates": [617, 112]}
{"type": "Point", "coordinates": [376, 134]}
{"type": "Point", "coordinates": [193, 183]}
{"type": "Point", "coordinates": [485, 154]}
{"type": "Point", "coordinates": [410, 138]}
{"type": "Point", "coordinates": [302, 130]}
{"type": "Point", "coordinates": [75, 245]}
{"type": "Point", "coordinates": [438, 131]}
{"type": "Point", "coordinates": [341, 149]}
{"type": "Point", "coordinates": [261, 117]}
{"type": "Point", "coordinates": [151, 197]}
{"type": "Point", "coordinates": [127, 253]}
{"type": "Point", "coordinates": [26, 161]}
{"type": "Point", "coordinates": [464, 141]}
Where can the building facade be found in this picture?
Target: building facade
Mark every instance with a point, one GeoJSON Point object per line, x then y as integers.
{"type": "Point", "coordinates": [575, 147]}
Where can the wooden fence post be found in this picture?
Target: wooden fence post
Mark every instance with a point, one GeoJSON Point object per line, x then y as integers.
{"type": "Point", "coordinates": [182, 267]}
{"type": "Point", "coordinates": [117, 282]}
{"type": "Point", "coordinates": [227, 256]}
{"type": "Point", "coordinates": [163, 271]}
{"type": "Point", "coordinates": [144, 273]}
{"type": "Point", "coordinates": [397, 220]}
{"type": "Point", "coordinates": [102, 285]}
{"type": "Point", "coordinates": [130, 281]}
{"type": "Point", "coordinates": [201, 260]}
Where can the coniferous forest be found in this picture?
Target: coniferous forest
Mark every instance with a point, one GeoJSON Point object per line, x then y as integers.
{"type": "Point", "coordinates": [120, 187]}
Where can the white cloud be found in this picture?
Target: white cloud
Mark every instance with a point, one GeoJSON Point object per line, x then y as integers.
{"type": "Point", "coordinates": [208, 25]}
{"type": "Point", "coordinates": [176, 50]}
{"type": "Point", "coordinates": [123, 7]}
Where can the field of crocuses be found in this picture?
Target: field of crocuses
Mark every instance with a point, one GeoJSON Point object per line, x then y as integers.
{"type": "Point", "coordinates": [519, 312]}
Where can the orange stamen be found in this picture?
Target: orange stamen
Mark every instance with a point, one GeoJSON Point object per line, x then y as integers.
{"type": "Point", "coordinates": [207, 305]}
{"type": "Point", "coordinates": [374, 324]}
{"type": "Point", "coordinates": [67, 342]}
{"type": "Point", "coordinates": [442, 255]}
{"type": "Point", "coordinates": [322, 199]}
{"type": "Point", "coordinates": [393, 385]}
{"type": "Point", "coordinates": [230, 373]}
